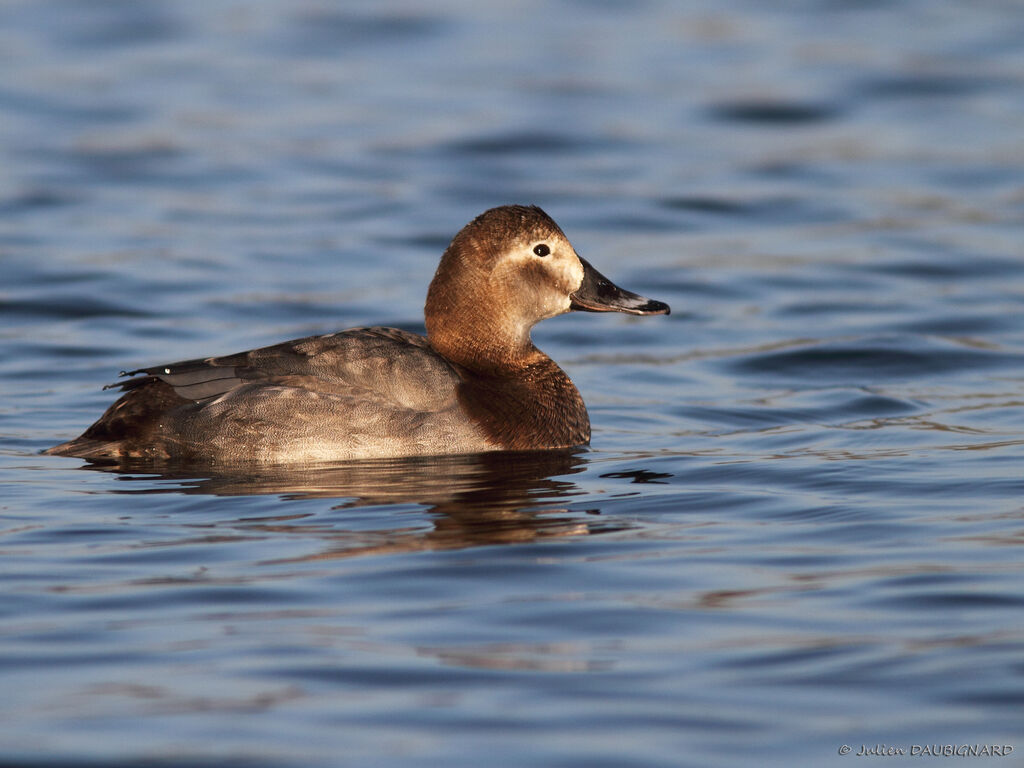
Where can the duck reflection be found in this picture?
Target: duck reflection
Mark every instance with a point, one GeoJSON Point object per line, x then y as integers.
{"type": "Point", "coordinates": [473, 500]}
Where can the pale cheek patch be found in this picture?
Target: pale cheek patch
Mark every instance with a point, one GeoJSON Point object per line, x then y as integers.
{"type": "Point", "coordinates": [575, 273]}
{"type": "Point", "coordinates": [547, 281]}
{"type": "Point", "coordinates": [567, 274]}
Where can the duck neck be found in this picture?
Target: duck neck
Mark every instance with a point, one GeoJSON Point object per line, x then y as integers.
{"type": "Point", "coordinates": [467, 328]}
{"type": "Point", "coordinates": [516, 394]}
{"type": "Point", "coordinates": [490, 349]}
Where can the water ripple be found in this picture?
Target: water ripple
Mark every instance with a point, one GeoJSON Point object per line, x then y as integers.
{"type": "Point", "coordinates": [865, 361]}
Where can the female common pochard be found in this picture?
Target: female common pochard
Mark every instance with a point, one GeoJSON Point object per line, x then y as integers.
{"type": "Point", "coordinates": [475, 383]}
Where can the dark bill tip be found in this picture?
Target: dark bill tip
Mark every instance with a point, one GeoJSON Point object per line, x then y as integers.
{"type": "Point", "coordinates": [599, 294]}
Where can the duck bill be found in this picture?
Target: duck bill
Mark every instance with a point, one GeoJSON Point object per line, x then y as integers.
{"type": "Point", "coordinates": [599, 294]}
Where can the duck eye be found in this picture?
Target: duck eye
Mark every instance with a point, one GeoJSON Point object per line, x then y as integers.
{"type": "Point", "coordinates": [541, 250]}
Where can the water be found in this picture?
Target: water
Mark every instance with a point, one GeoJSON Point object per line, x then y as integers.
{"type": "Point", "coordinates": [799, 525]}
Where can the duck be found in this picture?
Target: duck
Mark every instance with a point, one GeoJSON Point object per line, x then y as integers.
{"type": "Point", "coordinates": [475, 383]}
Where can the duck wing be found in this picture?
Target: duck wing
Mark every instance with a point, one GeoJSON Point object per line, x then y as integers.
{"type": "Point", "coordinates": [383, 364]}
{"type": "Point", "coordinates": [358, 393]}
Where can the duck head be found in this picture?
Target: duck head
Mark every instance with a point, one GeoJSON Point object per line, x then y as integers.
{"type": "Point", "coordinates": [503, 273]}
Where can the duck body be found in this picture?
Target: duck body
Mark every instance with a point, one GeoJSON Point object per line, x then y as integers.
{"type": "Point", "coordinates": [361, 393]}
{"type": "Point", "coordinates": [475, 383]}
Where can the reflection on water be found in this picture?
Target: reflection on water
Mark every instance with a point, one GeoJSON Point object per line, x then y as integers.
{"type": "Point", "coordinates": [473, 500]}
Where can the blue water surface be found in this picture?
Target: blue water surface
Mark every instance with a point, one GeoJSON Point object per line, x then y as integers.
{"type": "Point", "coordinates": [800, 524]}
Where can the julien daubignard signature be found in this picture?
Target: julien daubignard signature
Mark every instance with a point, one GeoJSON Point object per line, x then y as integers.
{"type": "Point", "coordinates": [929, 750]}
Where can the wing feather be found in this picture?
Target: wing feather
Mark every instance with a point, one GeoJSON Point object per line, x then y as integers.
{"type": "Point", "coordinates": [383, 364]}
